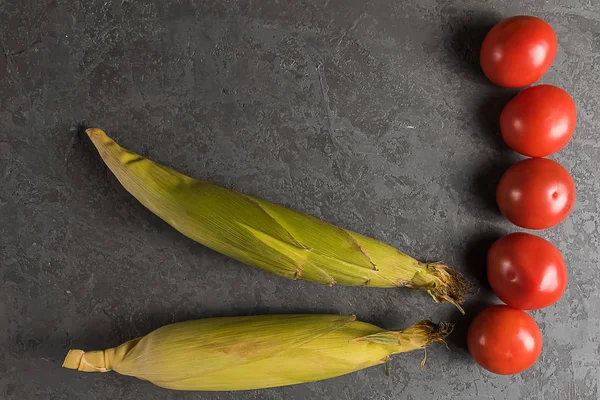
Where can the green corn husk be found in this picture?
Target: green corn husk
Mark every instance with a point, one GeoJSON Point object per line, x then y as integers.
{"type": "Point", "coordinates": [241, 353]}
{"type": "Point", "coordinates": [272, 237]}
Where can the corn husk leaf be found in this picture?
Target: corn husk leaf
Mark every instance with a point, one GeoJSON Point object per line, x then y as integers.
{"type": "Point", "coordinates": [259, 233]}
{"type": "Point", "coordinates": [241, 353]}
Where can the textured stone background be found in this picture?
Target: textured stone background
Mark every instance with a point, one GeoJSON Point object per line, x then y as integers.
{"type": "Point", "coordinates": [369, 114]}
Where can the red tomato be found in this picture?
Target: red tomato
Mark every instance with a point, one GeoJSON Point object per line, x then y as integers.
{"type": "Point", "coordinates": [536, 193]}
{"type": "Point", "coordinates": [517, 51]}
{"type": "Point", "coordinates": [526, 272]}
{"type": "Point", "coordinates": [504, 340]}
{"type": "Point", "coordinates": [539, 121]}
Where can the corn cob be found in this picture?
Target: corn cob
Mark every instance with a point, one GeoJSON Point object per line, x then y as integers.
{"type": "Point", "coordinates": [241, 353]}
{"type": "Point", "coordinates": [272, 237]}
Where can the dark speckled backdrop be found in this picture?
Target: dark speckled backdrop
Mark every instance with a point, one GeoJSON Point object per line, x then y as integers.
{"type": "Point", "coordinates": [371, 114]}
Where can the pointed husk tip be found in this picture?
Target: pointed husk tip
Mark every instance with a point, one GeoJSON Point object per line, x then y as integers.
{"type": "Point", "coordinates": [91, 131]}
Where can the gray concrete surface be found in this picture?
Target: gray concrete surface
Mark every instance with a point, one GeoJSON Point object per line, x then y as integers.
{"type": "Point", "coordinates": [369, 114]}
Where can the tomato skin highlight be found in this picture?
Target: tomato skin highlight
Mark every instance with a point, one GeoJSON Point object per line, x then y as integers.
{"type": "Point", "coordinates": [517, 51]}
{"type": "Point", "coordinates": [526, 271]}
{"type": "Point", "coordinates": [536, 193]}
{"type": "Point", "coordinates": [539, 121]}
{"type": "Point", "coordinates": [504, 340]}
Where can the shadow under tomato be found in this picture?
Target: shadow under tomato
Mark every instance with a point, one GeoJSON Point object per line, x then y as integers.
{"type": "Point", "coordinates": [475, 261]}
{"type": "Point", "coordinates": [488, 117]}
{"type": "Point", "coordinates": [485, 181]}
{"type": "Point", "coordinates": [458, 338]}
{"type": "Point", "coordinates": [465, 32]}
{"type": "Point", "coordinates": [475, 258]}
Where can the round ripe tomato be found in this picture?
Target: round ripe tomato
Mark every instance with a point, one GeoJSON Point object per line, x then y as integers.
{"type": "Point", "coordinates": [504, 340]}
{"type": "Point", "coordinates": [517, 51]}
{"type": "Point", "coordinates": [539, 121]}
{"type": "Point", "coordinates": [536, 193]}
{"type": "Point", "coordinates": [526, 272]}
